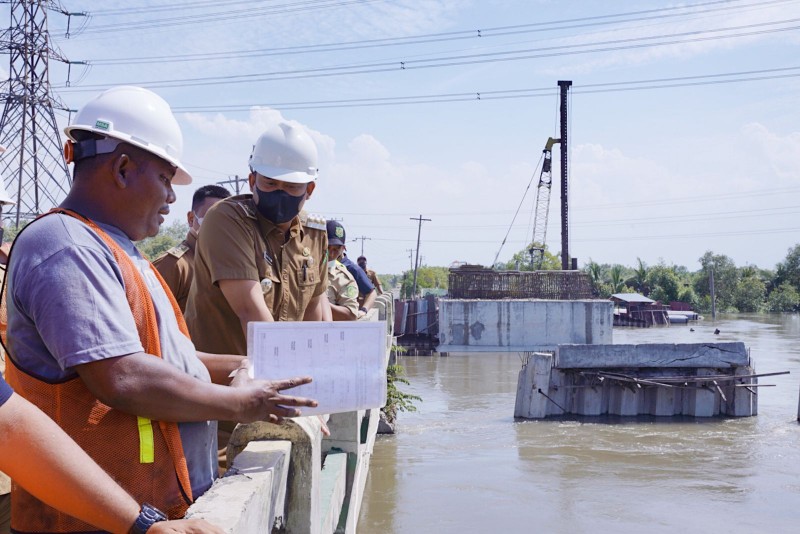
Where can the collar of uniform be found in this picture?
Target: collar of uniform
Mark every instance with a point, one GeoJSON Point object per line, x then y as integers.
{"type": "Point", "coordinates": [191, 240]}
{"type": "Point", "coordinates": [267, 226]}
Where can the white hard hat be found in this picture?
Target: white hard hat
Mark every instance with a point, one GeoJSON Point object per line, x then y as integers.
{"type": "Point", "coordinates": [136, 116]}
{"type": "Point", "coordinates": [287, 153]}
{"type": "Point", "coordinates": [5, 199]}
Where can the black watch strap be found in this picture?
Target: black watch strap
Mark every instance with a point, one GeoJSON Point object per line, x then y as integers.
{"type": "Point", "coordinates": [147, 517]}
{"type": "Point", "coordinates": [363, 309]}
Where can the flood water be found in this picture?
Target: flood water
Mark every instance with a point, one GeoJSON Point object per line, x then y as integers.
{"type": "Point", "coordinates": [461, 463]}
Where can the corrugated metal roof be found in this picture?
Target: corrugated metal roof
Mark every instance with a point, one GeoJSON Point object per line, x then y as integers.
{"type": "Point", "coordinates": [632, 297]}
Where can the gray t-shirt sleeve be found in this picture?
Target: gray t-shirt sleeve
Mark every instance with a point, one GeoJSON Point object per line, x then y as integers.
{"type": "Point", "coordinates": [88, 318]}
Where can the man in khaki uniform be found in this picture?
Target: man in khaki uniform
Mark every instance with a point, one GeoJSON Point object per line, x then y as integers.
{"type": "Point", "coordinates": [259, 256]}
{"type": "Point", "coordinates": [342, 287]}
{"type": "Point", "coordinates": [362, 262]}
{"type": "Point", "coordinates": [177, 264]}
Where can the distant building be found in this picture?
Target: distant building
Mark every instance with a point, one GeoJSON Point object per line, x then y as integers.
{"type": "Point", "coordinates": [633, 309]}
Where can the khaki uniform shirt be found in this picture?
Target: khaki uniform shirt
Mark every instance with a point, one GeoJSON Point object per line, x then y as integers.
{"type": "Point", "coordinates": [237, 243]}
{"type": "Point", "coordinates": [5, 482]}
{"type": "Point", "coordinates": [375, 281]}
{"type": "Point", "coordinates": [177, 267]}
{"type": "Point", "coordinates": [342, 288]}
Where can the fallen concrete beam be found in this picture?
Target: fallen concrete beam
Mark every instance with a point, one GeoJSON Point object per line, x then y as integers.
{"type": "Point", "coordinates": [712, 355]}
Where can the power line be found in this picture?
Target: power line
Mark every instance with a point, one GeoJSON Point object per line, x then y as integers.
{"type": "Point", "coordinates": [477, 33]}
{"type": "Point", "coordinates": [460, 60]}
{"type": "Point", "coordinates": [220, 16]}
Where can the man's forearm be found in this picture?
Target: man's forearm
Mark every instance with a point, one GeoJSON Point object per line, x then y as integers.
{"type": "Point", "coordinates": [220, 366]}
{"type": "Point", "coordinates": [315, 309]}
{"type": "Point", "coordinates": [147, 386]}
{"type": "Point", "coordinates": [41, 458]}
{"type": "Point", "coordinates": [369, 300]}
{"type": "Point", "coordinates": [342, 313]}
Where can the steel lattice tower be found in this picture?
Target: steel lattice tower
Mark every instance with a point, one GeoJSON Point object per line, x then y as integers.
{"type": "Point", "coordinates": [33, 166]}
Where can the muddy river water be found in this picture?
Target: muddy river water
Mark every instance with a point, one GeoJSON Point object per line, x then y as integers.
{"type": "Point", "coordinates": [462, 464]}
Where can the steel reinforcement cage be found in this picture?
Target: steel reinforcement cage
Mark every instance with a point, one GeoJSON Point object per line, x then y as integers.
{"type": "Point", "coordinates": [482, 283]}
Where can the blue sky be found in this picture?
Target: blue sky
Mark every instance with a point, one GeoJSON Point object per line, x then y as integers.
{"type": "Point", "coordinates": [662, 173]}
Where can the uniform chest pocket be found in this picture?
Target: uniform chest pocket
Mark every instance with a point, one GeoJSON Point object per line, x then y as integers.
{"type": "Point", "coordinates": [307, 277]}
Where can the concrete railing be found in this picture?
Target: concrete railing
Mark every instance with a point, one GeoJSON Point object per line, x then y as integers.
{"type": "Point", "coordinates": [291, 477]}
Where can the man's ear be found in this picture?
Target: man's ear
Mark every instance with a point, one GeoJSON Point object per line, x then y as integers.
{"type": "Point", "coordinates": [190, 218]}
{"type": "Point", "coordinates": [251, 179]}
{"type": "Point", "coordinates": [121, 168]}
{"type": "Point", "coordinates": [310, 189]}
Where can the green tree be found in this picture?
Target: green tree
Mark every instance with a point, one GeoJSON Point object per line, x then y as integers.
{"type": "Point", "coordinates": [167, 237]}
{"type": "Point", "coordinates": [750, 293]}
{"type": "Point", "coordinates": [616, 279]}
{"type": "Point", "coordinates": [789, 269]}
{"type": "Point", "coordinates": [664, 283]}
{"type": "Point", "coordinates": [726, 278]}
{"type": "Point", "coordinates": [427, 277]}
{"type": "Point", "coordinates": [521, 261]}
{"type": "Point", "coordinates": [688, 296]}
{"type": "Point", "coordinates": [783, 299]}
{"type": "Point", "coordinates": [639, 279]}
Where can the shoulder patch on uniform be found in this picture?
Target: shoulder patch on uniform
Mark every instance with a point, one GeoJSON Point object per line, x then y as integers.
{"type": "Point", "coordinates": [315, 221]}
{"type": "Point", "coordinates": [247, 207]}
{"type": "Point", "coordinates": [351, 291]}
{"type": "Point", "coordinates": [178, 250]}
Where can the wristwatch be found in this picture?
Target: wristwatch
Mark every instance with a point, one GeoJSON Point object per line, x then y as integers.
{"type": "Point", "coordinates": [363, 309]}
{"type": "Point", "coordinates": [147, 517]}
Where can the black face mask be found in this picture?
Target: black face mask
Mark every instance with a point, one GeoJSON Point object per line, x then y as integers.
{"type": "Point", "coordinates": [278, 206]}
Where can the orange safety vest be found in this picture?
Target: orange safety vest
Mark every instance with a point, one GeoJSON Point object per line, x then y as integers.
{"type": "Point", "coordinates": [149, 464]}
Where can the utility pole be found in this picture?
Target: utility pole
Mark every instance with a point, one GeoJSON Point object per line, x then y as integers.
{"type": "Point", "coordinates": [35, 171]}
{"type": "Point", "coordinates": [235, 181]}
{"type": "Point", "coordinates": [410, 258]}
{"type": "Point", "coordinates": [564, 85]}
{"type": "Point", "coordinates": [362, 238]}
{"type": "Point", "coordinates": [416, 261]}
{"type": "Point", "coordinates": [713, 294]}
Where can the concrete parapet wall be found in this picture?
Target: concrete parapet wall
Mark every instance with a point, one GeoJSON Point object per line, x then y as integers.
{"type": "Point", "coordinates": [522, 325]}
{"type": "Point", "coordinates": [251, 496]}
{"type": "Point", "coordinates": [291, 477]}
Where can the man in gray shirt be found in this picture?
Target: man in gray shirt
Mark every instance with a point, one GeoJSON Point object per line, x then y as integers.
{"type": "Point", "coordinates": [95, 339]}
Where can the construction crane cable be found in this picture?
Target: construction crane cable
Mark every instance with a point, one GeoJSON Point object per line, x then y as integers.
{"type": "Point", "coordinates": [522, 200]}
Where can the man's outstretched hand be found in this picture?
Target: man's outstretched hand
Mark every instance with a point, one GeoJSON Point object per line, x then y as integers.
{"type": "Point", "coordinates": [264, 401]}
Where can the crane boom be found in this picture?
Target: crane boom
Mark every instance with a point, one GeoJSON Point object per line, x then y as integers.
{"type": "Point", "coordinates": [537, 245]}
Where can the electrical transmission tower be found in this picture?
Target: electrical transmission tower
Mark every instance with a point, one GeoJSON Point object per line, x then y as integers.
{"type": "Point", "coordinates": [33, 166]}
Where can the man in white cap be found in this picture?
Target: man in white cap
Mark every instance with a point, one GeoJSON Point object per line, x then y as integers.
{"type": "Point", "coordinates": [97, 340]}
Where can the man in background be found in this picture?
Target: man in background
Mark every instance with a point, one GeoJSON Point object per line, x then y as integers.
{"type": "Point", "coordinates": [362, 262]}
{"type": "Point", "coordinates": [366, 291]}
{"type": "Point", "coordinates": [176, 265]}
{"type": "Point", "coordinates": [342, 287]}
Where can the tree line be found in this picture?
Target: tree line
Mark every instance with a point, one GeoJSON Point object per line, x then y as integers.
{"type": "Point", "coordinates": [745, 288]}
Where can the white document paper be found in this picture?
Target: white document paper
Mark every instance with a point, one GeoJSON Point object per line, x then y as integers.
{"type": "Point", "coordinates": [347, 361]}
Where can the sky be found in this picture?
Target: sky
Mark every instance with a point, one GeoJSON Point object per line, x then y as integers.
{"type": "Point", "coordinates": [683, 117]}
